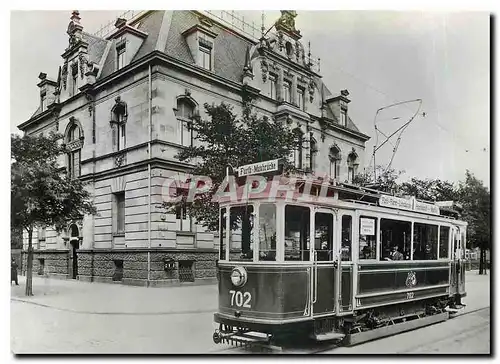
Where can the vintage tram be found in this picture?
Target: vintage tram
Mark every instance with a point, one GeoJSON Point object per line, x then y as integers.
{"type": "Point", "coordinates": [311, 258]}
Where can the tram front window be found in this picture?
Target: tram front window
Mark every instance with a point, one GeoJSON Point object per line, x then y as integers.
{"type": "Point", "coordinates": [425, 241]}
{"type": "Point", "coordinates": [395, 239]}
{"type": "Point", "coordinates": [222, 251]}
{"type": "Point", "coordinates": [297, 222]}
{"type": "Point", "coordinates": [444, 241]}
{"type": "Point", "coordinates": [241, 234]}
{"type": "Point", "coordinates": [267, 232]}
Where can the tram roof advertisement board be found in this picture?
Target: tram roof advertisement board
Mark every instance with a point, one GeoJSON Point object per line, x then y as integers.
{"type": "Point", "coordinates": [256, 168]}
{"type": "Point", "coordinates": [410, 204]}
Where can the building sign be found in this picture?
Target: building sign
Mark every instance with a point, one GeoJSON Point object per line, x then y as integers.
{"type": "Point", "coordinates": [367, 226]}
{"type": "Point", "coordinates": [256, 168]}
{"type": "Point", "coordinates": [408, 204]}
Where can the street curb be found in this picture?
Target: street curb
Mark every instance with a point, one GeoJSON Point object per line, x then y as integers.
{"type": "Point", "coordinates": [180, 312]}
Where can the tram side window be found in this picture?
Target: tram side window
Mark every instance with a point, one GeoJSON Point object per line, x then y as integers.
{"type": "Point", "coordinates": [444, 240]}
{"type": "Point", "coordinates": [223, 217]}
{"type": "Point", "coordinates": [425, 241]}
{"type": "Point", "coordinates": [267, 232]}
{"type": "Point", "coordinates": [395, 239]}
{"type": "Point", "coordinates": [367, 237]}
{"type": "Point", "coordinates": [323, 236]}
{"type": "Point", "coordinates": [346, 250]}
{"type": "Point", "coordinates": [297, 220]}
{"type": "Point", "coordinates": [241, 234]}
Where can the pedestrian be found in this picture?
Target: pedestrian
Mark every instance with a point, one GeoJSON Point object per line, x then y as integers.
{"type": "Point", "coordinates": [13, 272]}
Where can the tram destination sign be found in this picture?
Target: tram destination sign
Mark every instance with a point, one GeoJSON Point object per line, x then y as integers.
{"type": "Point", "coordinates": [256, 168]}
{"type": "Point", "coordinates": [408, 204]}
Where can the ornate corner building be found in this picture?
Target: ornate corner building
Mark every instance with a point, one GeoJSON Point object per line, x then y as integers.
{"type": "Point", "coordinates": [123, 103]}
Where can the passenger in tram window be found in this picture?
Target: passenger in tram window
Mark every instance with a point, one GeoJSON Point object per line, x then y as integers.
{"type": "Point", "coordinates": [396, 255]}
{"type": "Point", "coordinates": [366, 252]}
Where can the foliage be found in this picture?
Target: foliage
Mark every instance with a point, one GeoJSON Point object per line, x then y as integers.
{"type": "Point", "coordinates": [430, 189]}
{"type": "Point", "coordinates": [476, 201]}
{"type": "Point", "coordinates": [386, 179]}
{"type": "Point", "coordinates": [42, 194]}
{"type": "Point", "coordinates": [224, 139]}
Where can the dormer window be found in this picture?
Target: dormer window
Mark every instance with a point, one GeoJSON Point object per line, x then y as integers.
{"type": "Point", "coordinates": [343, 113]}
{"type": "Point", "coordinates": [343, 117]}
{"type": "Point", "coordinates": [43, 101]}
{"type": "Point", "coordinates": [205, 54]}
{"type": "Point", "coordinates": [120, 56]}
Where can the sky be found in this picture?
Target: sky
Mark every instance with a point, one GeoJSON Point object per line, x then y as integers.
{"type": "Point", "coordinates": [381, 57]}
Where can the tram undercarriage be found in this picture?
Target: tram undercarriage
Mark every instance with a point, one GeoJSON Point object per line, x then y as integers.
{"type": "Point", "coordinates": [367, 325]}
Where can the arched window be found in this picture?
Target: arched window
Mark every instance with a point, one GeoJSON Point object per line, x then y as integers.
{"type": "Point", "coordinates": [313, 150]}
{"type": "Point", "coordinates": [352, 165]}
{"type": "Point", "coordinates": [298, 152]}
{"type": "Point", "coordinates": [184, 112]}
{"type": "Point", "coordinates": [118, 124]}
{"type": "Point", "coordinates": [335, 158]}
{"type": "Point", "coordinates": [74, 144]}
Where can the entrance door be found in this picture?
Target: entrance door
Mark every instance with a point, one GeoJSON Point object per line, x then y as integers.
{"type": "Point", "coordinates": [456, 263]}
{"type": "Point", "coordinates": [344, 262]}
{"type": "Point", "coordinates": [323, 250]}
{"type": "Point", "coordinates": [75, 244]}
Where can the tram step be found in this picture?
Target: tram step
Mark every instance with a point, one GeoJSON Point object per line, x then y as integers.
{"type": "Point", "coordinates": [328, 336]}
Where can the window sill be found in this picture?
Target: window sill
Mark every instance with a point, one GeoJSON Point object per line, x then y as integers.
{"type": "Point", "coordinates": [185, 233]}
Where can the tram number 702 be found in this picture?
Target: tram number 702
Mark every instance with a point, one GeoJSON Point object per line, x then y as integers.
{"type": "Point", "coordinates": [409, 295]}
{"type": "Point", "coordinates": [241, 299]}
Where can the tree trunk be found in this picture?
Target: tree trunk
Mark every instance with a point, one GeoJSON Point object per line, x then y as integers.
{"type": "Point", "coordinates": [481, 259]}
{"type": "Point", "coordinates": [29, 265]}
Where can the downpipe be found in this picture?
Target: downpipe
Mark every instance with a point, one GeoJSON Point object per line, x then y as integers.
{"type": "Point", "coordinates": [149, 170]}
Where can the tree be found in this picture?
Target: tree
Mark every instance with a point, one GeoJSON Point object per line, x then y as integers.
{"type": "Point", "coordinates": [224, 139]}
{"type": "Point", "coordinates": [476, 201]}
{"type": "Point", "coordinates": [386, 179]}
{"type": "Point", "coordinates": [430, 189]}
{"type": "Point", "coordinates": [42, 194]}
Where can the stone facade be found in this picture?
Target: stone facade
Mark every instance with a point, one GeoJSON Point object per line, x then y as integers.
{"type": "Point", "coordinates": [120, 104]}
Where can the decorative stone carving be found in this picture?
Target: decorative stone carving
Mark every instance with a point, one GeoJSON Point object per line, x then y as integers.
{"type": "Point", "coordinates": [64, 74]}
{"type": "Point", "coordinates": [83, 64]}
{"type": "Point", "coordinates": [120, 159]}
{"type": "Point", "coordinates": [74, 145]}
{"type": "Point", "coordinates": [264, 67]}
{"type": "Point", "coordinates": [311, 90]}
{"type": "Point", "coordinates": [287, 20]}
{"type": "Point", "coordinates": [280, 40]}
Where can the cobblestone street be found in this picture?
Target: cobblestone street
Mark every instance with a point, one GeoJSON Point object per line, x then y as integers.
{"type": "Point", "coordinates": [68, 316]}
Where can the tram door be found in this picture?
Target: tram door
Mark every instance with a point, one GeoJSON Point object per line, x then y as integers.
{"type": "Point", "coordinates": [323, 253]}
{"type": "Point", "coordinates": [457, 263]}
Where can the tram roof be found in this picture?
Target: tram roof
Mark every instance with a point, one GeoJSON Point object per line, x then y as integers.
{"type": "Point", "coordinates": [326, 191]}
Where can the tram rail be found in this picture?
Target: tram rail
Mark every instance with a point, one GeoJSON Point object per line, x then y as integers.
{"type": "Point", "coordinates": [318, 347]}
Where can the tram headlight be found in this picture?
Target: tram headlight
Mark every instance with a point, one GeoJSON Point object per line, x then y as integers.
{"type": "Point", "coordinates": [239, 276]}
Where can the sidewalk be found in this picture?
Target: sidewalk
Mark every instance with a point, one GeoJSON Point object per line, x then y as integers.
{"type": "Point", "coordinates": [105, 298]}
